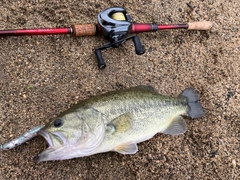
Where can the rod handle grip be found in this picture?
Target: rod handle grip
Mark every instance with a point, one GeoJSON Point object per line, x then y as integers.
{"type": "Point", "coordinates": [202, 25]}
{"type": "Point", "coordinates": [84, 29]}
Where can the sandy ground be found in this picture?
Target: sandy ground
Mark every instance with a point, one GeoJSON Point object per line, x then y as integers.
{"type": "Point", "coordinates": [41, 76]}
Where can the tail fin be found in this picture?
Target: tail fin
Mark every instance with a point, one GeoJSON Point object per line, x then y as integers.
{"type": "Point", "coordinates": [195, 108]}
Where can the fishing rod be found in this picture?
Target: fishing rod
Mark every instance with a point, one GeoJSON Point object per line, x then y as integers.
{"type": "Point", "coordinates": [116, 25]}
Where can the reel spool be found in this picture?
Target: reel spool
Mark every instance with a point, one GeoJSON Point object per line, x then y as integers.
{"type": "Point", "coordinates": [116, 25]}
{"type": "Point", "coordinates": [118, 16]}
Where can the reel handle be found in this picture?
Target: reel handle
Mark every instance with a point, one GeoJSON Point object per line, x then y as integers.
{"type": "Point", "coordinates": [139, 48]}
{"type": "Point", "coordinates": [100, 60]}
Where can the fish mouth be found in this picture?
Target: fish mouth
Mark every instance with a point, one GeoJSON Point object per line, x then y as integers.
{"type": "Point", "coordinates": [55, 141]}
{"type": "Point", "coordinates": [47, 137]}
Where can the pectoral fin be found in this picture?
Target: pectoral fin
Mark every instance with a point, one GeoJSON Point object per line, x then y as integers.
{"type": "Point", "coordinates": [130, 148]}
{"type": "Point", "coordinates": [120, 124]}
{"type": "Point", "coordinates": [177, 126]}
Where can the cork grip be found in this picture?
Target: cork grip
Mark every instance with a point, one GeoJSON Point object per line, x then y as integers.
{"type": "Point", "coordinates": [203, 25]}
{"type": "Point", "coordinates": [84, 30]}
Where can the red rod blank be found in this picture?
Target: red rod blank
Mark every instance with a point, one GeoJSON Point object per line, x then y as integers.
{"type": "Point", "coordinates": [30, 32]}
{"type": "Point", "coordinates": [172, 26]}
{"type": "Point", "coordinates": [140, 28]}
{"type": "Point", "coordinates": [136, 28]}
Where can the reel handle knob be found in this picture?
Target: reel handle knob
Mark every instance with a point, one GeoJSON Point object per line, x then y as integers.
{"type": "Point", "coordinates": [101, 63]}
{"type": "Point", "coordinates": [139, 48]}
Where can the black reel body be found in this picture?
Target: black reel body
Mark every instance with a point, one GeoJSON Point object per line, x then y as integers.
{"type": "Point", "coordinates": [116, 25]}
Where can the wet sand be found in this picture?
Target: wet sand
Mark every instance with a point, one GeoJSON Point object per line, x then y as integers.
{"type": "Point", "coordinates": [41, 76]}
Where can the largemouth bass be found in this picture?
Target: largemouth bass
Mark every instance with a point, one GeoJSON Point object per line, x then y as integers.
{"type": "Point", "coordinates": [117, 121]}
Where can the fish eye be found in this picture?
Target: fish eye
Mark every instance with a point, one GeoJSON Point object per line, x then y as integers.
{"type": "Point", "coordinates": [58, 123]}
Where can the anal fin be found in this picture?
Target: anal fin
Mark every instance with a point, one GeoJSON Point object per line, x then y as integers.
{"type": "Point", "coordinates": [130, 148]}
{"type": "Point", "coordinates": [176, 127]}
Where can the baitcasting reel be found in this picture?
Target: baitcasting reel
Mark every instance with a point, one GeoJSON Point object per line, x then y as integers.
{"type": "Point", "coordinates": [115, 25]}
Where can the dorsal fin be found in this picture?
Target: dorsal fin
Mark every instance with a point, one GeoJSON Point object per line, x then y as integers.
{"type": "Point", "coordinates": [147, 88]}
